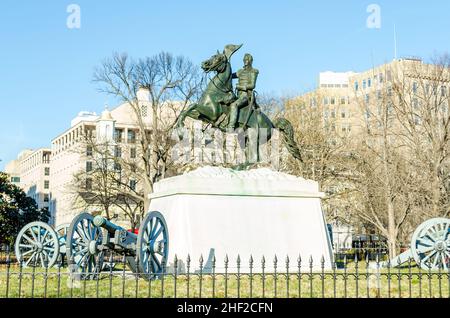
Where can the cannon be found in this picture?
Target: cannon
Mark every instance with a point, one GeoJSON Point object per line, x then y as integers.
{"type": "Point", "coordinates": [89, 237]}
{"type": "Point", "coordinates": [430, 246]}
{"type": "Point", "coordinates": [38, 244]}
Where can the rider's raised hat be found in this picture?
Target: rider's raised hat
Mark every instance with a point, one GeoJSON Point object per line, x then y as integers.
{"type": "Point", "coordinates": [230, 49]}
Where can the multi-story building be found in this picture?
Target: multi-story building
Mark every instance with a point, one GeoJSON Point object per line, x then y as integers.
{"type": "Point", "coordinates": [350, 101]}
{"type": "Point", "coordinates": [31, 172]}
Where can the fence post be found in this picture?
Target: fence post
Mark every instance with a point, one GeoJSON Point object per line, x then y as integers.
{"type": "Point", "coordinates": [275, 262]}
{"type": "Point", "coordinates": [287, 276]}
{"type": "Point", "coordinates": [175, 264]}
{"type": "Point", "coordinates": [60, 260]}
{"type": "Point", "coordinates": [124, 264]}
{"type": "Point", "coordinates": [299, 266]}
{"type": "Point", "coordinates": [356, 275]}
{"type": "Point", "coordinates": [322, 276]}
{"type": "Point", "coordinates": [311, 261]}
{"type": "Point", "coordinates": [263, 265]}
{"type": "Point", "coordinates": [251, 275]}
{"type": "Point", "coordinates": [110, 260]}
{"type": "Point", "coordinates": [201, 275]}
{"type": "Point", "coordinates": [238, 263]}
{"type": "Point", "coordinates": [226, 276]}
{"type": "Point", "coordinates": [8, 265]}
{"type": "Point", "coordinates": [136, 276]}
{"type": "Point", "coordinates": [214, 275]}
{"type": "Point", "coordinates": [188, 266]}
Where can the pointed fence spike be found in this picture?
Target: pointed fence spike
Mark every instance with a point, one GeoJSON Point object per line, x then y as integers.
{"type": "Point", "coordinates": [299, 259]}
{"type": "Point", "coordinates": [287, 259]}
{"type": "Point", "coordinates": [275, 259]}
{"type": "Point", "coordinates": [263, 260]}
{"type": "Point", "coordinates": [201, 259]}
{"type": "Point", "coordinates": [251, 259]}
{"type": "Point", "coordinates": [226, 259]}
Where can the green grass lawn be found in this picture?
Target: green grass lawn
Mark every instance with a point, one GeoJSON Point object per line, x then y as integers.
{"type": "Point", "coordinates": [342, 285]}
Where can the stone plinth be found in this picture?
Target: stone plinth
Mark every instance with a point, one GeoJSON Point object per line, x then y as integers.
{"type": "Point", "coordinates": [258, 212]}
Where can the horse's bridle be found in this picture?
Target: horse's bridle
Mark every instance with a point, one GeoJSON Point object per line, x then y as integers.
{"type": "Point", "coordinates": [223, 83]}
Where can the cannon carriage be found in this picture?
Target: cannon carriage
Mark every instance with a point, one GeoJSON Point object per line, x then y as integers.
{"type": "Point", "coordinates": [89, 237]}
{"type": "Point", "coordinates": [429, 248]}
{"type": "Point", "coordinates": [85, 241]}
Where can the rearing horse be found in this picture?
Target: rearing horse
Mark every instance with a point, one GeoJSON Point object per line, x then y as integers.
{"type": "Point", "coordinates": [213, 106]}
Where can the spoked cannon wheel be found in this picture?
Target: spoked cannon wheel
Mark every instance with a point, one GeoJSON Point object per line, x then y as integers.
{"type": "Point", "coordinates": [152, 245]}
{"type": "Point", "coordinates": [37, 245]}
{"type": "Point", "coordinates": [83, 239]}
{"type": "Point", "coordinates": [430, 244]}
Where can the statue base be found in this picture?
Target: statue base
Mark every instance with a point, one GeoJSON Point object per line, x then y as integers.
{"type": "Point", "coordinates": [218, 212]}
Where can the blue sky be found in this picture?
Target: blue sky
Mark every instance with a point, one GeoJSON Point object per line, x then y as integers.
{"type": "Point", "coordinates": [46, 69]}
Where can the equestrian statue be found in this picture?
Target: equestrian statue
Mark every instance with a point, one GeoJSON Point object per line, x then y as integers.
{"type": "Point", "coordinates": [222, 108]}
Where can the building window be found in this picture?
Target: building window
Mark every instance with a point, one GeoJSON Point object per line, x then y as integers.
{"type": "Point", "coordinates": [389, 76]}
{"type": "Point", "coordinates": [380, 77]}
{"type": "Point", "coordinates": [369, 83]}
{"type": "Point", "coordinates": [367, 98]}
{"type": "Point", "coordinates": [131, 136]}
{"type": "Point", "coordinates": [89, 166]}
{"type": "Point", "coordinates": [118, 135]}
{"type": "Point", "coordinates": [133, 185]}
{"type": "Point", "coordinates": [46, 184]}
{"type": "Point", "coordinates": [89, 184]}
{"type": "Point", "coordinates": [379, 95]}
{"type": "Point", "coordinates": [133, 168]}
{"type": "Point", "coordinates": [333, 101]}
{"type": "Point", "coordinates": [342, 100]}
{"type": "Point", "coordinates": [343, 113]}
{"type": "Point", "coordinates": [46, 197]}
{"type": "Point", "coordinates": [356, 86]}
{"type": "Point", "coordinates": [46, 171]}
{"type": "Point", "coordinates": [325, 100]}
{"type": "Point", "coordinates": [133, 153]}
{"type": "Point", "coordinates": [333, 114]}
{"type": "Point", "coordinates": [144, 112]}
{"type": "Point", "coordinates": [117, 152]}
{"type": "Point", "coordinates": [117, 167]}
{"type": "Point", "coordinates": [15, 179]}
{"type": "Point", "coordinates": [89, 151]}
{"type": "Point", "coordinates": [364, 84]}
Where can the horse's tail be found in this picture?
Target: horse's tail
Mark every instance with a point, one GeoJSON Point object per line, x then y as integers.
{"type": "Point", "coordinates": [286, 128]}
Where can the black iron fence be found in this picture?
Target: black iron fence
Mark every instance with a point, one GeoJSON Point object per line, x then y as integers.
{"type": "Point", "coordinates": [239, 278]}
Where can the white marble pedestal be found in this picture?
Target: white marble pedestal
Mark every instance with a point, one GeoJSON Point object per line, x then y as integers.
{"type": "Point", "coordinates": [218, 211]}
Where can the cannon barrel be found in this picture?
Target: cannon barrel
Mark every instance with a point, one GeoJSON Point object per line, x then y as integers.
{"type": "Point", "coordinates": [100, 221]}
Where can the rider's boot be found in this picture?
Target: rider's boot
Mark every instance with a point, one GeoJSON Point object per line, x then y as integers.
{"type": "Point", "coordinates": [233, 118]}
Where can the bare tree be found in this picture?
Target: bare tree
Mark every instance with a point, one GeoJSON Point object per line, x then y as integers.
{"type": "Point", "coordinates": [109, 182]}
{"type": "Point", "coordinates": [326, 154]}
{"type": "Point", "coordinates": [171, 82]}
{"type": "Point", "coordinates": [422, 110]}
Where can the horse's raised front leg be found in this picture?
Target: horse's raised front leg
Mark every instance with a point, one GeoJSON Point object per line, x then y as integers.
{"type": "Point", "coordinates": [191, 111]}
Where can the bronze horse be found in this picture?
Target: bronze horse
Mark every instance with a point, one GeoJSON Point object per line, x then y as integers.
{"type": "Point", "coordinates": [213, 107]}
